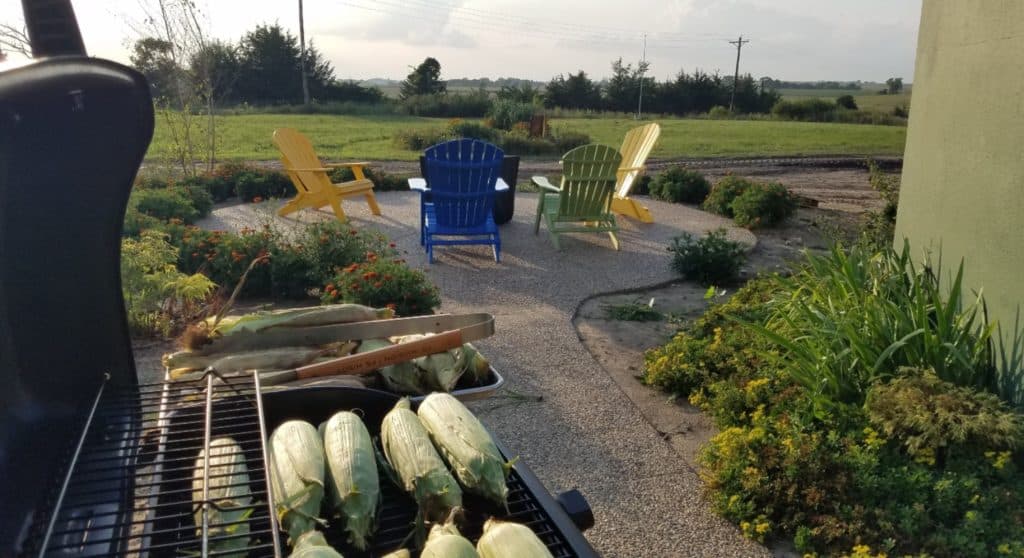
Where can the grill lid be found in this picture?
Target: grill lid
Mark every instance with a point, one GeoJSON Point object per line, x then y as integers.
{"type": "Point", "coordinates": [73, 131]}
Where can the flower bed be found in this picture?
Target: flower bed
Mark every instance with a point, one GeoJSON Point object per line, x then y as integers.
{"type": "Point", "coordinates": [908, 451]}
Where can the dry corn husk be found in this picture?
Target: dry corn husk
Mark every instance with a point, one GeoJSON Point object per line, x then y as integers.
{"type": "Point", "coordinates": [229, 493]}
{"type": "Point", "coordinates": [420, 469]}
{"type": "Point", "coordinates": [352, 483]}
{"type": "Point", "coordinates": [403, 377]}
{"type": "Point", "coordinates": [503, 539]}
{"type": "Point", "coordinates": [445, 541]}
{"type": "Point", "coordinates": [466, 446]}
{"type": "Point", "coordinates": [297, 476]}
{"type": "Point", "coordinates": [312, 544]}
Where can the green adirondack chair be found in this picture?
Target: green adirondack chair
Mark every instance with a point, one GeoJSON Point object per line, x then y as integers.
{"type": "Point", "coordinates": [583, 201]}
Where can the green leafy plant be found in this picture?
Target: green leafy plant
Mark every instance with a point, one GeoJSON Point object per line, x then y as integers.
{"type": "Point", "coordinates": [848, 320]}
{"type": "Point", "coordinates": [380, 283]}
{"type": "Point", "coordinates": [934, 419]}
{"type": "Point", "coordinates": [718, 112]}
{"type": "Point", "coordinates": [458, 128]}
{"type": "Point", "coordinates": [164, 204]}
{"type": "Point", "coordinates": [259, 184]}
{"type": "Point", "coordinates": [846, 102]}
{"type": "Point", "coordinates": [763, 205]}
{"type": "Point", "coordinates": [506, 113]}
{"type": "Point", "coordinates": [633, 312]}
{"type": "Point", "coordinates": [879, 227]}
{"type": "Point", "coordinates": [418, 139]}
{"type": "Point", "coordinates": [680, 185]}
{"type": "Point", "coordinates": [157, 296]}
{"type": "Point", "coordinates": [713, 259]}
{"type": "Point", "coordinates": [382, 181]}
{"type": "Point", "coordinates": [724, 192]}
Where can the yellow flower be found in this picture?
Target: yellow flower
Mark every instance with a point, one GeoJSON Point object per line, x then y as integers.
{"type": "Point", "coordinates": [762, 528]}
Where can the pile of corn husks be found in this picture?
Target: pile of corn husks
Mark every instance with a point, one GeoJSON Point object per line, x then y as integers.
{"type": "Point", "coordinates": [260, 341]}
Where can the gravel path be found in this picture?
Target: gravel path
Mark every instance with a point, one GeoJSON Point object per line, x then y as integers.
{"type": "Point", "coordinates": [585, 433]}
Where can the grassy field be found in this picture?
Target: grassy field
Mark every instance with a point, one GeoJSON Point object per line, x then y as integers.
{"type": "Point", "coordinates": [369, 137]}
{"type": "Point", "coordinates": [866, 99]}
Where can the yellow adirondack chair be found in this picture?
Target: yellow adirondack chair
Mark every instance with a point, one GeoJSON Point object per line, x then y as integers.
{"type": "Point", "coordinates": [635, 148]}
{"type": "Point", "coordinates": [312, 180]}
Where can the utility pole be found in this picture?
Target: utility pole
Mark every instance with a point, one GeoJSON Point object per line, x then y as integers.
{"type": "Point", "coordinates": [302, 56]}
{"type": "Point", "coordinates": [736, 77]}
{"type": "Point", "coordinates": [640, 101]}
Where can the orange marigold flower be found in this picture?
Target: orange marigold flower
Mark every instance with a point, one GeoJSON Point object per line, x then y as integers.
{"type": "Point", "coordinates": [378, 285]}
{"type": "Point", "coordinates": [257, 199]}
{"type": "Point", "coordinates": [391, 305]}
{"type": "Point", "coordinates": [353, 232]}
{"type": "Point", "coordinates": [330, 286]}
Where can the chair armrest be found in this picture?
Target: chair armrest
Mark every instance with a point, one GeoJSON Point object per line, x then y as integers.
{"type": "Point", "coordinates": [500, 185]}
{"type": "Point", "coordinates": [343, 165]}
{"type": "Point", "coordinates": [631, 169]}
{"type": "Point", "coordinates": [542, 182]}
{"type": "Point", "coordinates": [418, 184]}
{"type": "Point", "coordinates": [319, 169]}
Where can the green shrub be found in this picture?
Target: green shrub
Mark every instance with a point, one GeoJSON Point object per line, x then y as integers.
{"type": "Point", "coordinates": [331, 245]}
{"type": "Point", "coordinates": [879, 227]}
{"type": "Point", "coordinates": [901, 111]}
{"type": "Point", "coordinates": [520, 144]}
{"type": "Point", "coordinates": [566, 140]}
{"type": "Point", "coordinates": [727, 189]}
{"type": "Point", "coordinates": [718, 112]}
{"type": "Point", "coordinates": [680, 185]}
{"type": "Point", "coordinates": [157, 296]}
{"type": "Point", "coordinates": [382, 282]}
{"type": "Point", "coordinates": [934, 419]}
{"type": "Point", "coordinates": [259, 184]}
{"type": "Point", "coordinates": [197, 192]}
{"type": "Point", "coordinates": [711, 260]}
{"type": "Point", "coordinates": [642, 185]}
{"type": "Point", "coordinates": [164, 204]}
{"type": "Point", "coordinates": [382, 181]}
{"type": "Point", "coordinates": [507, 113]}
{"type": "Point", "coordinates": [135, 222]}
{"type": "Point", "coordinates": [418, 139]}
{"type": "Point", "coordinates": [462, 129]}
{"type": "Point", "coordinates": [763, 205]}
{"type": "Point", "coordinates": [806, 110]}
{"type": "Point", "coordinates": [473, 104]}
{"type": "Point", "coordinates": [149, 182]}
{"type": "Point", "coordinates": [846, 102]}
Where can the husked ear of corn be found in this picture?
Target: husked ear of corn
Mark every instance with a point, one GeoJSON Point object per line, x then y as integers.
{"type": "Point", "coordinates": [403, 377]}
{"type": "Point", "coordinates": [312, 544]}
{"type": "Point", "coordinates": [503, 539]}
{"type": "Point", "coordinates": [419, 468]}
{"type": "Point", "coordinates": [400, 553]}
{"type": "Point", "coordinates": [445, 541]}
{"type": "Point", "coordinates": [466, 446]}
{"type": "Point", "coordinates": [353, 487]}
{"type": "Point", "coordinates": [229, 494]}
{"type": "Point", "coordinates": [297, 476]}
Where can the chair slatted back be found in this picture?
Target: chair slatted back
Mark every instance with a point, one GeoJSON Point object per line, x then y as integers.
{"type": "Point", "coordinates": [588, 182]}
{"type": "Point", "coordinates": [636, 146]}
{"type": "Point", "coordinates": [297, 153]}
{"type": "Point", "coordinates": [462, 175]}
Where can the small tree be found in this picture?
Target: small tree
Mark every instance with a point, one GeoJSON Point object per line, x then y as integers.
{"type": "Point", "coordinates": [624, 86]}
{"type": "Point", "coordinates": [577, 91]}
{"type": "Point", "coordinates": [894, 85]}
{"type": "Point", "coordinates": [425, 79]}
{"type": "Point", "coordinates": [154, 58]}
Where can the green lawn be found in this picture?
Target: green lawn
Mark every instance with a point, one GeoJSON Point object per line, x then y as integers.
{"type": "Point", "coordinates": [369, 137]}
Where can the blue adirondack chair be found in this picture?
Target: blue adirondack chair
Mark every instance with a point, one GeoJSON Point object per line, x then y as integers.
{"type": "Point", "coordinates": [461, 175]}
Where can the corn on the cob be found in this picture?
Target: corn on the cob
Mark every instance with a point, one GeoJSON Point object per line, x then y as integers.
{"type": "Point", "coordinates": [400, 378]}
{"type": "Point", "coordinates": [419, 468]}
{"type": "Point", "coordinates": [312, 544]}
{"type": "Point", "coordinates": [297, 476]}
{"type": "Point", "coordinates": [445, 541]}
{"type": "Point", "coordinates": [352, 483]}
{"type": "Point", "coordinates": [466, 446]}
{"type": "Point", "coordinates": [439, 371]}
{"type": "Point", "coordinates": [228, 492]}
{"type": "Point", "coordinates": [503, 539]}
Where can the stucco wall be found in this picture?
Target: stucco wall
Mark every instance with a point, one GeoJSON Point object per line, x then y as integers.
{"type": "Point", "coordinates": [963, 171]}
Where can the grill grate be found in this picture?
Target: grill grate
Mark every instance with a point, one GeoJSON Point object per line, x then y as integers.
{"type": "Point", "coordinates": [108, 503]}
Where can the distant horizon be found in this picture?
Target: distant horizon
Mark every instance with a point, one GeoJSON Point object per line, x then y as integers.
{"type": "Point", "coordinates": [792, 40]}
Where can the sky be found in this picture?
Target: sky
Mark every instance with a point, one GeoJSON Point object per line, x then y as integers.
{"type": "Point", "coordinates": [796, 40]}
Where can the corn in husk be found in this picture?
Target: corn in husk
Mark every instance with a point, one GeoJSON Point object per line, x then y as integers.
{"type": "Point", "coordinates": [312, 544]}
{"type": "Point", "coordinates": [466, 446]}
{"type": "Point", "coordinates": [477, 365]}
{"type": "Point", "coordinates": [503, 539]}
{"type": "Point", "coordinates": [445, 541]}
{"type": "Point", "coordinates": [420, 469]}
{"type": "Point", "coordinates": [400, 553]}
{"type": "Point", "coordinates": [297, 476]}
{"type": "Point", "coordinates": [297, 317]}
{"type": "Point", "coordinates": [271, 359]}
{"type": "Point", "coordinates": [403, 377]}
{"type": "Point", "coordinates": [439, 371]}
{"type": "Point", "coordinates": [352, 484]}
{"type": "Point", "coordinates": [228, 492]}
